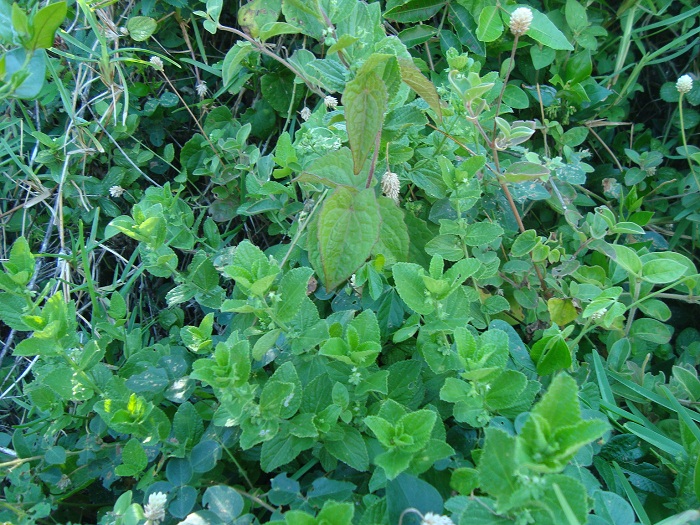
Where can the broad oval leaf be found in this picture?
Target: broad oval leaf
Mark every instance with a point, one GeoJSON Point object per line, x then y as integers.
{"type": "Point", "coordinates": [490, 26]}
{"type": "Point", "coordinates": [141, 27]}
{"type": "Point", "coordinates": [347, 230]}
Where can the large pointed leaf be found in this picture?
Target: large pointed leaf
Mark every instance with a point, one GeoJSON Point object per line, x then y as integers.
{"type": "Point", "coordinates": [347, 229]}
{"type": "Point", "coordinates": [412, 76]}
{"type": "Point", "coordinates": [365, 100]}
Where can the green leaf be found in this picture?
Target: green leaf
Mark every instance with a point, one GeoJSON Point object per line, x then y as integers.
{"type": "Point", "coordinates": [414, 11]}
{"type": "Point", "coordinates": [561, 311]}
{"type": "Point", "coordinates": [141, 28]}
{"type": "Point", "coordinates": [627, 258]}
{"type": "Point", "coordinates": [410, 491]}
{"type": "Point", "coordinates": [348, 227]}
{"type": "Point", "coordinates": [524, 243]}
{"type": "Point", "coordinates": [277, 28]}
{"type": "Point", "coordinates": [350, 449]}
{"type": "Point", "coordinates": [416, 35]}
{"type": "Point", "coordinates": [651, 330]}
{"type": "Point", "coordinates": [576, 16]}
{"type": "Point", "coordinates": [660, 270]}
{"type": "Point", "coordinates": [32, 74]}
{"type": "Point", "coordinates": [204, 456]}
{"type": "Point", "coordinates": [490, 26]}
{"type": "Point", "coordinates": [482, 233]}
{"type": "Point", "coordinates": [278, 89]}
{"type": "Point", "coordinates": [282, 449]}
{"type": "Point", "coordinates": [305, 15]}
{"type": "Point", "coordinates": [223, 501]}
{"type": "Point", "coordinates": [425, 89]}
{"type": "Point", "coordinates": [257, 14]}
{"type": "Point", "coordinates": [333, 169]}
{"type": "Point", "coordinates": [365, 101]}
{"type": "Point", "coordinates": [408, 278]}
{"type": "Point", "coordinates": [56, 455]}
{"type": "Point", "coordinates": [498, 464]}
{"type": "Point", "coordinates": [551, 354]}
{"type": "Point", "coordinates": [187, 424]}
{"type": "Point", "coordinates": [544, 31]}
{"type": "Point", "coordinates": [44, 25]}
{"type": "Point", "coordinates": [393, 240]}
{"type": "Point", "coordinates": [525, 171]}
{"type": "Point", "coordinates": [134, 459]}
{"type": "Point", "coordinates": [292, 291]}
{"type": "Point", "coordinates": [465, 26]}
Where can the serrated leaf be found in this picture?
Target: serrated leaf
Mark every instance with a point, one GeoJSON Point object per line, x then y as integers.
{"type": "Point", "coordinates": [292, 290]}
{"type": "Point", "coordinates": [348, 227]}
{"type": "Point", "coordinates": [393, 239]}
{"type": "Point", "coordinates": [365, 100]}
{"type": "Point", "coordinates": [482, 233]}
{"type": "Point", "coordinates": [408, 278]}
{"type": "Point", "coordinates": [351, 449]}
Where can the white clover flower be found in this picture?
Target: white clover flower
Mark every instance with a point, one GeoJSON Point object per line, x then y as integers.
{"type": "Point", "coordinates": [684, 84]}
{"type": "Point", "coordinates": [520, 21]}
{"type": "Point", "coordinates": [157, 63]}
{"type": "Point", "coordinates": [599, 314]}
{"type": "Point", "coordinates": [391, 186]}
{"type": "Point", "coordinates": [154, 510]}
{"type": "Point", "coordinates": [305, 114]}
{"type": "Point", "coordinates": [116, 191]}
{"type": "Point", "coordinates": [201, 88]}
{"type": "Point", "coordinates": [435, 519]}
{"type": "Point", "coordinates": [330, 102]}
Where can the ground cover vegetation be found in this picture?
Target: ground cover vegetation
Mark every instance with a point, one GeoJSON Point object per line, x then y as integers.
{"type": "Point", "coordinates": [333, 261]}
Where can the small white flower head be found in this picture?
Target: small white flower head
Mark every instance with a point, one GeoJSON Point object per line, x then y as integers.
{"type": "Point", "coordinates": [684, 84]}
{"type": "Point", "coordinates": [391, 186]}
{"type": "Point", "coordinates": [157, 63]}
{"type": "Point", "coordinates": [330, 102]}
{"type": "Point", "coordinates": [435, 519]}
{"type": "Point", "coordinates": [201, 89]}
{"type": "Point", "coordinates": [154, 510]}
{"type": "Point", "coordinates": [64, 482]}
{"type": "Point", "coordinates": [116, 191]}
{"type": "Point", "coordinates": [305, 114]}
{"type": "Point", "coordinates": [596, 316]}
{"type": "Point", "coordinates": [520, 21]}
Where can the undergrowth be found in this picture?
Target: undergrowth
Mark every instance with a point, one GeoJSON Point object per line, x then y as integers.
{"type": "Point", "coordinates": [335, 261]}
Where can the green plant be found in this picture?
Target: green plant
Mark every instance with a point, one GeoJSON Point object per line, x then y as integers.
{"type": "Point", "coordinates": [376, 263]}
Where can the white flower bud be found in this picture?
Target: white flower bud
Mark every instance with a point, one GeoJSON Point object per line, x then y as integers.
{"type": "Point", "coordinates": [157, 63]}
{"type": "Point", "coordinates": [684, 84]}
{"type": "Point", "coordinates": [330, 102]}
{"type": "Point", "coordinates": [391, 186]}
{"type": "Point", "coordinates": [154, 510]}
{"type": "Point", "coordinates": [305, 114]}
{"type": "Point", "coordinates": [431, 518]}
{"type": "Point", "coordinates": [520, 21]}
{"type": "Point", "coordinates": [116, 191]}
{"type": "Point", "coordinates": [201, 89]}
